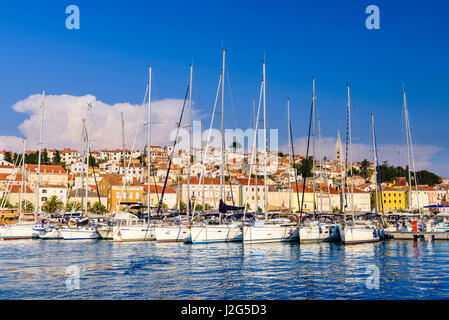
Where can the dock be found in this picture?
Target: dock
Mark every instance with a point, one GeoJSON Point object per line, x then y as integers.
{"type": "Point", "coordinates": [397, 235]}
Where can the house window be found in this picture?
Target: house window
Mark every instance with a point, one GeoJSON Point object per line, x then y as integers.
{"type": "Point", "coordinates": [44, 191]}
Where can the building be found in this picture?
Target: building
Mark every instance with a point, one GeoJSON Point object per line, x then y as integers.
{"type": "Point", "coordinates": [155, 195]}
{"type": "Point", "coordinates": [92, 197]}
{"type": "Point", "coordinates": [252, 192]}
{"type": "Point", "coordinates": [208, 192]}
{"type": "Point", "coordinates": [49, 175]}
{"type": "Point", "coordinates": [391, 199]}
{"type": "Point", "coordinates": [48, 191]}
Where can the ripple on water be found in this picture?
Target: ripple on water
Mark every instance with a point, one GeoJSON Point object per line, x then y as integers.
{"type": "Point", "coordinates": [148, 270]}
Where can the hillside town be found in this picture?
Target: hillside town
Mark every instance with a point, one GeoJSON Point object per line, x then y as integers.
{"type": "Point", "coordinates": [113, 177]}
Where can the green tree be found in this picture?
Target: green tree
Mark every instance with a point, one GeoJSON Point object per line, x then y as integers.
{"type": "Point", "coordinates": [142, 160]}
{"type": "Point", "coordinates": [52, 205]}
{"type": "Point", "coordinates": [235, 145]}
{"type": "Point", "coordinates": [98, 208]}
{"type": "Point", "coordinates": [8, 157]}
{"type": "Point", "coordinates": [198, 207]}
{"type": "Point", "coordinates": [73, 205]}
{"type": "Point", "coordinates": [207, 206]}
{"type": "Point", "coordinates": [364, 169]}
{"type": "Point", "coordinates": [6, 204]}
{"type": "Point", "coordinates": [182, 206]}
{"type": "Point", "coordinates": [56, 158]}
{"type": "Point", "coordinates": [44, 157]}
{"type": "Point", "coordinates": [92, 161]}
{"type": "Point", "coordinates": [27, 206]}
{"type": "Point", "coordinates": [301, 167]}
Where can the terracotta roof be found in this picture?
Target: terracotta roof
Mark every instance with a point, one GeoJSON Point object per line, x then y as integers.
{"type": "Point", "coordinates": [8, 176]}
{"type": "Point", "coordinates": [213, 181]}
{"type": "Point", "coordinates": [46, 168]}
{"type": "Point", "coordinates": [17, 188]}
{"type": "Point", "coordinates": [244, 181]}
{"type": "Point", "coordinates": [153, 189]}
{"type": "Point", "coordinates": [55, 186]}
{"type": "Point", "coordinates": [300, 188]}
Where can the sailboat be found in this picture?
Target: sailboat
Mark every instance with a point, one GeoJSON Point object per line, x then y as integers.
{"type": "Point", "coordinates": [175, 230]}
{"type": "Point", "coordinates": [85, 232]}
{"type": "Point", "coordinates": [226, 230]}
{"type": "Point", "coordinates": [356, 231]}
{"type": "Point", "coordinates": [20, 230]}
{"type": "Point", "coordinates": [278, 228]}
{"type": "Point", "coordinates": [317, 229]}
{"type": "Point", "coordinates": [132, 229]}
{"type": "Point", "coordinates": [25, 230]}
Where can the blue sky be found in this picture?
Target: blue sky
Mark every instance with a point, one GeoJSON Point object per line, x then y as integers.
{"type": "Point", "coordinates": [109, 55]}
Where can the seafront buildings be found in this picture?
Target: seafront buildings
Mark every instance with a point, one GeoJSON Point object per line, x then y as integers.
{"type": "Point", "coordinates": [111, 181]}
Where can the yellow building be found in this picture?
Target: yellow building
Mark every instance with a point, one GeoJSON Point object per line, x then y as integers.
{"type": "Point", "coordinates": [112, 187]}
{"type": "Point", "coordinates": [308, 199]}
{"type": "Point", "coordinates": [393, 199]}
{"type": "Point", "coordinates": [119, 194]}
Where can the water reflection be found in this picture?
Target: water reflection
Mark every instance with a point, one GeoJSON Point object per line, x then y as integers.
{"type": "Point", "coordinates": [149, 270]}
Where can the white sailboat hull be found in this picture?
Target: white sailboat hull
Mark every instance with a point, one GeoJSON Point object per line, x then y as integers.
{"type": "Point", "coordinates": [52, 234]}
{"type": "Point", "coordinates": [105, 233]}
{"type": "Point", "coordinates": [172, 233]}
{"type": "Point", "coordinates": [79, 234]}
{"type": "Point", "coordinates": [319, 233]}
{"type": "Point", "coordinates": [360, 234]}
{"type": "Point", "coordinates": [270, 233]}
{"type": "Point", "coordinates": [133, 233]}
{"type": "Point", "coordinates": [215, 233]}
{"type": "Point", "coordinates": [18, 232]}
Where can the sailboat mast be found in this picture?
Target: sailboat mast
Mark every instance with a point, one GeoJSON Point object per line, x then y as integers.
{"type": "Point", "coordinates": [342, 177]}
{"type": "Point", "coordinates": [21, 183]}
{"type": "Point", "coordinates": [350, 150]}
{"type": "Point", "coordinates": [255, 167]}
{"type": "Point", "coordinates": [89, 113]}
{"type": "Point", "coordinates": [149, 142]}
{"type": "Point", "coordinates": [374, 161]}
{"type": "Point", "coordinates": [289, 159]}
{"type": "Point", "coordinates": [410, 154]}
{"type": "Point", "coordinates": [83, 173]}
{"type": "Point", "coordinates": [190, 144]}
{"type": "Point", "coordinates": [37, 205]}
{"type": "Point", "coordinates": [313, 148]}
{"type": "Point", "coordinates": [320, 159]}
{"type": "Point", "coordinates": [222, 128]}
{"type": "Point", "coordinates": [124, 156]}
{"type": "Point", "coordinates": [265, 145]}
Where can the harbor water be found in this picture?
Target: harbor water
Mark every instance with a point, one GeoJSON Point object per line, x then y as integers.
{"type": "Point", "coordinates": [37, 269]}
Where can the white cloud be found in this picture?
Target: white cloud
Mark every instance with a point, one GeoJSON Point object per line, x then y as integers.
{"type": "Point", "coordinates": [63, 122]}
{"type": "Point", "coordinates": [394, 154]}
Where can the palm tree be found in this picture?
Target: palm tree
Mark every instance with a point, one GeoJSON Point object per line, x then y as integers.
{"type": "Point", "coordinates": [98, 208]}
{"type": "Point", "coordinates": [52, 205]}
{"type": "Point", "coordinates": [182, 206]}
{"type": "Point", "coordinates": [27, 206]}
{"type": "Point", "coordinates": [7, 204]}
{"type": "Point", "coordinates": [73, 206]}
